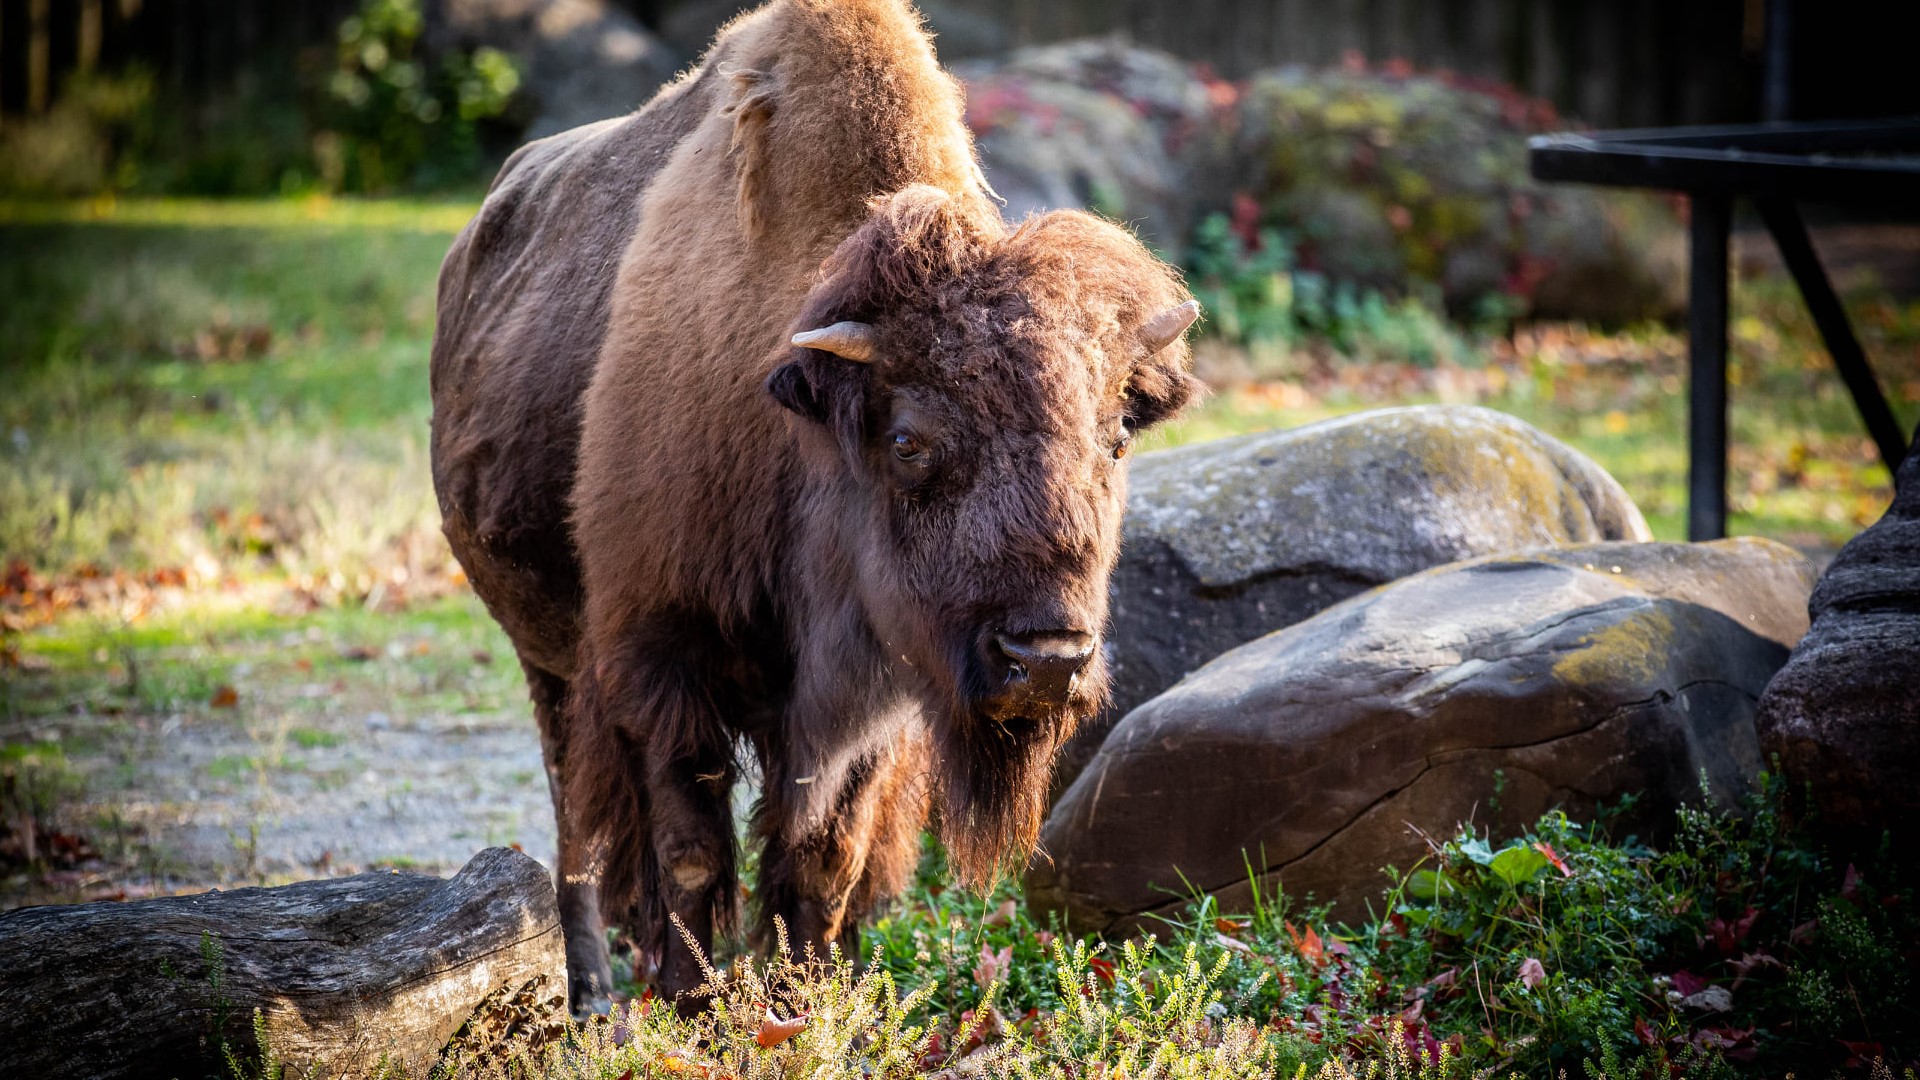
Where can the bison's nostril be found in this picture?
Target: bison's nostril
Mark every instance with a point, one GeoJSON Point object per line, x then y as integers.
{"type": "Point", "coordinates": [1046, 664]}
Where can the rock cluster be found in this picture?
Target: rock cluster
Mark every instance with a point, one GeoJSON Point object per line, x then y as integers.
{"type": "Point", "coordinates": [1567, 676]}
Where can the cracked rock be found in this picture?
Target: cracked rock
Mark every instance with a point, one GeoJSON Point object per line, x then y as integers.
{"type": "Point", "coordinates": [1578, 675]}
{"type": "Point", "coordinates": [1229, 540]}
{"type": "Point", "coordinates": [1844, 715]}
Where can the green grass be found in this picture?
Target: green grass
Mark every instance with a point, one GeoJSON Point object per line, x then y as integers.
{"type": "Point", "coordinates": [226, 388]}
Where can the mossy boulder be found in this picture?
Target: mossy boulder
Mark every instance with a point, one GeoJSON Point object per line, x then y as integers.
{"type": "Point", "coordinates": [1844, 716]}
{"type": "Point", "coordinates": [1489, 690]}
{"type": "Point", "coordinates": [1228, 540]}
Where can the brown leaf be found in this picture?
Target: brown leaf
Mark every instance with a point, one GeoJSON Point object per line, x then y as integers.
{"type": "Point", "coordinates": [774, 1031]}
{"type": "Point", "coordinates": [1001, 915]}
{"type": "Point", "coordinates": [226, 697]}
{"type": "Point", "coordinates": [1532, 973]}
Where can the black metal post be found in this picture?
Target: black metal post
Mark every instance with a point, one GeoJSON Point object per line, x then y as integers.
{"type": "Point", "coordinates": [1790, 234]}
{"type": "Point", "coordinates": [1712, 217]}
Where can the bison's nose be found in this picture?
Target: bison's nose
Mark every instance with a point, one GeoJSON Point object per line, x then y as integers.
{"type": "Point", "coordinates": [1043, 666]}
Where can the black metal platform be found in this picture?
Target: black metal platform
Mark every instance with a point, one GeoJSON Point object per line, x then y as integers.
{"type": "Point", "coordinates": [1854, 163]}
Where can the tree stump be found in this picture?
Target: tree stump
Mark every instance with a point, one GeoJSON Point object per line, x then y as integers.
{"type": "Point", "coordinates": [345, 973]}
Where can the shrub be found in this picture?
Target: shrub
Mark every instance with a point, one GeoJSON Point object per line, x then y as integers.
{"type": "Point", "coordinates": [1256, 296]}
{"type": "Point", "coordinates": [387, 116]}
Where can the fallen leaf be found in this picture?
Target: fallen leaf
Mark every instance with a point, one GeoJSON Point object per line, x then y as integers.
{"type": "Point", "coordinates": [1553, 857]}
{"type": "Point", "coordinates": [992, 966]}
{"type": "Point", "coordinates": [1001, 915]}
{"type": "Point", "coordinates": [1309, 945]}
{"type": "Point", "coordinates": [226, 697]}
{"type": "Point", "coordinates": [774, 1031]}
{"type": "Point", "coordinates": [1532, 972]}
{"type": "Point", "coordinates": [1686, 983]}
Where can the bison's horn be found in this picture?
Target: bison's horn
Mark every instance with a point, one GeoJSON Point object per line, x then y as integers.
{"type": "Point", "coordinates": [851, 340]}
{"type": "Point", "coordinates": [1161, 330]}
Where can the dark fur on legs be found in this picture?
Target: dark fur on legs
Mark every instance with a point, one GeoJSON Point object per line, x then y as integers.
{"type": "Point", "coordinates": [589, 974]}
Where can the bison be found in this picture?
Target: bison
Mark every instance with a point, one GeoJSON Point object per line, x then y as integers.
{"type": "Point", "coordinates": [758, 430]}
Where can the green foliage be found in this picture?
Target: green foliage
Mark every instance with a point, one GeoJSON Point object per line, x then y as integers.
{"type": "Point", "coordinates": [1255, 297]}
{"type": "Point", "coordinates": [388, 116]}
{"type": "Point", "coordinates": [1738, 946]}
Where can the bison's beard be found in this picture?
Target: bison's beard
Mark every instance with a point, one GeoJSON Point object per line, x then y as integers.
{"type": "Point", "coordinates": [990, 784]}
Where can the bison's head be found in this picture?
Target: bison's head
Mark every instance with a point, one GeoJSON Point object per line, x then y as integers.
{"type": "Point", "coordinates": [973, 396]}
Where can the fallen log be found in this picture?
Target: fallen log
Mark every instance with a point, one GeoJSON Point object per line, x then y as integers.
{"type": "Point", "coordinates": [346, 975]}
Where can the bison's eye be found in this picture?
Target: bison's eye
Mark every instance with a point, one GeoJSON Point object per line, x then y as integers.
{"type": "Point", "coordinates": [1124, 444]}
{"type": "Point", "coordinates": [907, 448]}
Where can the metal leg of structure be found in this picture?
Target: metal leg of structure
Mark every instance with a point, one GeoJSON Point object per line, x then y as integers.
{"type": "Point", "coordinates": [1790, 234]}
{"type": "Point", "coordinates": [1712, 217]}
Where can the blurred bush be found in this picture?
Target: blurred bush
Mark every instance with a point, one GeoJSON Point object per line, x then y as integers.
{"type": "Point", "coordinates": [373, 113]}
{"type": "Point", "coordinates": [1389, 196]}
{"type": "Point", "coordinates": [88, 142]}
{"type": "Point", "coordinates": [387, 116]}
{"type": "Point", "coordinates": [1255, 296]}
{"type": "Point", "coordinates": [1406, 182]}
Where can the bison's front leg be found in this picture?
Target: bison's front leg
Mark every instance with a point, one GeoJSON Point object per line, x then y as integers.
{"type": "Point", "coordinates": [822, 874]}
{"type": "Point", "coordinates": [652, 768]}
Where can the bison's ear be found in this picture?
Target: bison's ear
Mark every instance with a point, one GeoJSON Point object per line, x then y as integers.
{"type": "Point", "coordinates": [823, 388]}
{"type": "Point", "coordinates": [1162, 385]}
{"type": "Point", "coordinates": [790, 387]}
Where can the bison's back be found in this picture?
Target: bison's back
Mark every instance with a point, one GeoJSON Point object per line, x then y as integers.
{"type": "Point", "coordinates": [524, 297]}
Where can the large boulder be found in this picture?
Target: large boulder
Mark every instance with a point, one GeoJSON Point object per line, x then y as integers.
{"type": "Point", "coordinates": [1844, 715]}
{"type": "Point", "coordinates": [1579, 674]}
{"type": "Point", "coordinates": [1101, 125]}
{"type": "Point", "coordinates": [581, 60]}
{"type": "Point", "coordinates": [1228, 540]}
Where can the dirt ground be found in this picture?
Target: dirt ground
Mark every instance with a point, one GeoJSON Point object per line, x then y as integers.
{"type": "Point", "coordinates": [201, 754]}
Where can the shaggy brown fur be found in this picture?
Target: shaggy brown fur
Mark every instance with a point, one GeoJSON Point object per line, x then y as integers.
{"type": "Point", "coordinates": [696, 569]}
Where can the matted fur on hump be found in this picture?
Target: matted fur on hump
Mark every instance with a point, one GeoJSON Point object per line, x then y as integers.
{"type": "Point", "coordinates": [834, 102]}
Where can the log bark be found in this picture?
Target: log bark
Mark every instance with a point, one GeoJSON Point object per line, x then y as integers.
{"type": "Point", "coordinates": [346, 974]}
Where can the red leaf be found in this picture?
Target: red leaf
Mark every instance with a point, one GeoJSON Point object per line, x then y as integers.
{"type": "Point", "coordinates": [992, 965]}
{"type": "Point", "coordinates": [226, 697]}
{"type": "Point", "coordinates": [774, 1031]}
{"type": "Point", "coordinates": [1687, 984]}
{"type": "Point", "coordinates": [1001, 915]}
{"type": "Point", "coordinates": [1308, 944]}
{"type": "Point", "coordinates": [1850, 883]}
{"type": "Point", "coordinates": [1102, 969]}
{"type": "Point", "coordinates": [1553, 857]}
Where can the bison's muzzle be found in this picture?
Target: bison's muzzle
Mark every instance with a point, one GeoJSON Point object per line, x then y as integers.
{"type": "Point", "coordinates": [1034, 674]}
